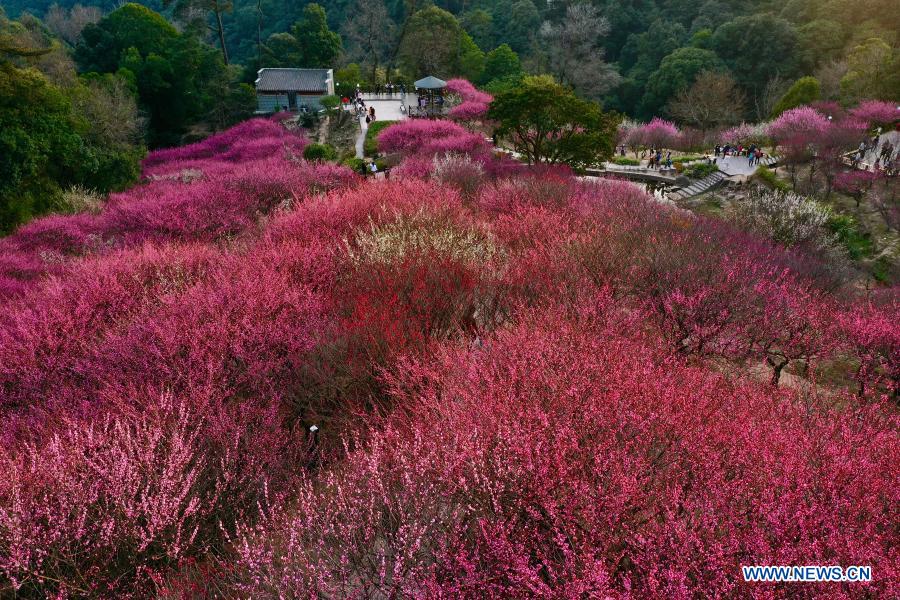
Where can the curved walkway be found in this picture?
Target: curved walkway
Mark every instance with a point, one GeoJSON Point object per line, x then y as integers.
{"type": "Point", "coordinates": [385, 109]}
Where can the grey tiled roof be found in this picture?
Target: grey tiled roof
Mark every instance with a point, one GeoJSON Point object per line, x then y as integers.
{"type": "Point", "coordinates": [292, 80]}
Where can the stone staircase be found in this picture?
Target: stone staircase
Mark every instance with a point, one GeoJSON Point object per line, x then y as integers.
{"type": "Point", "coordinates": [698, 187]}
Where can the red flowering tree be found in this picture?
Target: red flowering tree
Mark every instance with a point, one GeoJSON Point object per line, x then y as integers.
{"type": "Point", "coordinates": [877, 112]}
{"type": "Point", "coordinates": [795, 131]}
{"type": "Point", "coordinates": [659, 133]}
{"type": "Point", "coordinates": [855, 183]}
{"type": "Point", "coordinates": [427, 137]}
{"type": "Point", "coordinates": [839, 138]}
{"type": "Point", "coordinates": [873, 335]}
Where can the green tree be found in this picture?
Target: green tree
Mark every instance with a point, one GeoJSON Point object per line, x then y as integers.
{"type": "Point", "coordinates": [106, 112]}
{"type": "Point", "coordinates": [431, 44]}
{"type": "Point", "coordinates": [873, 72]}
{"type": "Point", "coordinates": [522, 26]}
{"type": "Point", "coordinates": [479, 23]}
{"type": "Point", "coordinates": [178, 78]}
{"type": "Point", "coordinates": [643, 52]}
{"type": "Point", "coordinates": [676, 73]}
{"type": "Point", "coordinates": [39, 143]}
{"type": "Point", "coordinates": [131, 26]}
{"type": "Point", "coordinates": [821, 41]}
{"type": "Point", "coordinates": [501, 62]}
{"type": "Point", "coordinates": [547, 122]}
{"type": "Point", "coordinates": [281, 50]}
{"type": "Point", "coordinates": [804, 91]}
{"type": "Point", "coordinates": [319, 46]}
{"type": "Point", "coordinates": [471, 58]}
{"type": "Point", "coordinates": [757, 48]}
{"type": "Point", "coordinates": [58, 129]}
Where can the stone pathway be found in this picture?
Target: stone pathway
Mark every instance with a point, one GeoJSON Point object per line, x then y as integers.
{"type": "Point", "coordinates": [740, 165]}
{"type": "Point", "coordinates": [698, 187]}
{"type": "Point", "coordinates": [869, 159]}
{"type": "Point", "coordinates": [385, 110]}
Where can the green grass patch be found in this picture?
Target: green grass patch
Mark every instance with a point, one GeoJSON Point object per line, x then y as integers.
{"type": "Point", "coordinates": [370, 145]}
{"type": "Point", "coordinates": [768, 178]}
{"type": "Point", "coordinates": [858, 244]}
{"type": "Point", "coordinates": [881, 270]}
{"type": "Point", "coordinates": [625, 161]}
{"type": "Point", "coordinates": [358, 165]}
{"type": "Point", "coordinates": [700, 170]}
{"type": "Point", "coordinates": [320, 152]}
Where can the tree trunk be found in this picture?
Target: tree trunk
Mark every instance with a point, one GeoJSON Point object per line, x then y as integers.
{"type": "Point", "coordinates": [221, 31]}
{"type": "Point", "coordinates": [259, 15]}
{"type": "Point", "coordinates": [777, 368]}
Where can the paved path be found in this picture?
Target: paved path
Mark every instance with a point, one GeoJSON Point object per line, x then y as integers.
{"type": "Point", "coordinates": [740, 165]}
{"type": "Point", "coordinates": [698, 187]}
{"type": "Point", "coordinates": [385, 110]}
{"type": "Point", "coordinates": [869, 159]}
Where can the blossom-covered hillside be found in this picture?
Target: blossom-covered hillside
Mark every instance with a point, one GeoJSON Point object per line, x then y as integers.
{"type": "Point", "coordinates": [253, 376]}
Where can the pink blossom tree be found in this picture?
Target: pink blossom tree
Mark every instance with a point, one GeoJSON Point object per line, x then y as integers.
{"type": "Point", "coordinates": [660, 133]}
{"type": "Point", "coordinates": [744, 135]}
{"type": "Point", "coordinates": [839, 138]}
{"type": "Point", "coordinates": [873, 335]}
{"type": "Point", "coordinates": [855, 183]}
{"type": "Point", "coordinates": [795, 131]}
{"type": "Point", "coordinates": [877, 112]}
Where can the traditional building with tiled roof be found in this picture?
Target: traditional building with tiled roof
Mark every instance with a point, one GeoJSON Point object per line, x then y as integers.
{"type": "Point", "coordinates": [292, 89]}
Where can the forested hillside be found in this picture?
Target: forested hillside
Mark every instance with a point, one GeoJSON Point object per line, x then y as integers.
{"type": "Point", "coordinates": [636, 55]}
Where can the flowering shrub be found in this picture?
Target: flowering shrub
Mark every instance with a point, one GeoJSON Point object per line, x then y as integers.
{"type": "Point", "coordinates": [231, 145]}
{"type": "Point", "coordinates": [855, 183]}
{"type": "Point", "coordinates": [787, 218]}
{"type": "Point", "coordinates": [874, 335]}
{"type": "Point", "coordinates": [660, 133]}
{"type": "Point", "coordinates": [98, 508]}
{"type": "Point", "coordinates": [876, 112]}
{"type": "Point", "coordinates": [744, 134]}
{"type": "Point", "coordinates": [467, 92]}
{"type": "Point", "coordinates": [458, 171]}
{"type": "Point", "coordinates": [413, 167]}
{"type": "Point", "coordinates": [797, 125]}
{"type": "Point", "coordinates": [468, 111]}
{"type": "Point", "coordinates": [565, 464]}
{"type": "Point", "coordinates": [256, 377]}
{"type": "Point", "coordinates": [429, 137]}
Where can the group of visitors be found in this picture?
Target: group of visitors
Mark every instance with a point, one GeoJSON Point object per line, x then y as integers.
{"type": "Point", "coordinates": [438, 101]}
{"type": "Point", "coordinates": [388, 89]}
{"type": "Point", "coordinates": [656, 159]}
{"type": "Point", "coordinates": [753, 152]}
{"type": "Point", "coordinates": [360, 107]}
{"type": "Point", "coordinates": [887, 157]}
{"type": "Point", "coordinates": [888, 161]}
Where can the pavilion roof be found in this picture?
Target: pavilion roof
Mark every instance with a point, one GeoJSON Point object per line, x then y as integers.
{"type": "Point", "coordinates": [430, 83]}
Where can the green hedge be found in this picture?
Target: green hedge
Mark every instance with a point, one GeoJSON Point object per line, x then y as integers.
{"type": "Point", "coordinates": [622, 160]}
{"type": "Point", "coordinates": [370, 146]}
{"type": "Point", "coordinates": [770, 179]}
{"type": "Point", "coordinates": [858, 244]}
{"type": "Point", "coordinates": [356, 164]}
{"type": "Point", "coordinates": [700, 170]}
{"type": "Point", "coordinates": [320, 152]}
